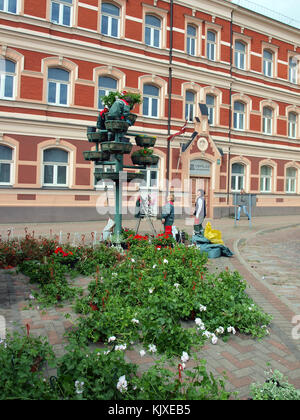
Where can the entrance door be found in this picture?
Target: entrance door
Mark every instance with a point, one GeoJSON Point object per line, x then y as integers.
{"type": "Point", "coordinates": [203, 184]}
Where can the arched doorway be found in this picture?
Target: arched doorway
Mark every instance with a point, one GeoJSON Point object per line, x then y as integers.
{"type": "Point", "coordinates": [200, 173]}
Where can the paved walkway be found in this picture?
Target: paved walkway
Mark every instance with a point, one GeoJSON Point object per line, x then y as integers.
{"type": "Point", "coordinates": [265, 253]}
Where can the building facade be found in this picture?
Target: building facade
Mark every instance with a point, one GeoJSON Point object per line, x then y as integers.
{"type": "Point", "coordinates": [231, 73]}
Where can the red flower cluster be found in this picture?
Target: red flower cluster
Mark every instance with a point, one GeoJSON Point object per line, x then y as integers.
{"type": "Point", "coordinates": [61, 251]}
{"type": "Point", "coordinates": [139, 237]}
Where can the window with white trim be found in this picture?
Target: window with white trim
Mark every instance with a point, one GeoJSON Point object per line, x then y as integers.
{"type": "Point", "coordinates": [237, 177]}
{"type": "Point", "coordinates": [152, 31]}
{"type": "Point", "coordinates": [268, 62]}
{"type": "Point", "coordinates": [7, 79]}
{"type": "Point", "coordinates": [61, 12]}
{"type": "Point", "coordinates": [189, 105]}
{"type": "Point", "coordinates": [105, 86]}
{"type": "Point", "coordinates": [290, 180]}
{"type": "Point", "coordinates": [191, 40]}
{"type": "Point", "coordinates": [211, 46]}
{"type": "Point", "coordinates": [267, 120]}
{"type": "Point", "coordinates": [240, 55]}
{"type": "Point", "coordinates": [239, 115]}
{"type": "Point", "coordinates": [292, 125]}
{"type": "Point", "coordinates": [210, 103]}
{"type": "Point", "coordinates": [6, 165]}
{"type": "Point", "coordinates": [293, 69]}
{"type": "Point", "coordinates": [110, 20]}
{"type": "Point", "coordinates": [151, 177]}
{"type": "Point", "coordinates": [9, 6]}
{"type": "Point", "coordinates": [55, 167]}
{"type": "Point", "coordinates": [265, 178]}
{"type": "Point", "coordinates": [58, 86]}
{"type": "Point", "coordinates": [150, 101]}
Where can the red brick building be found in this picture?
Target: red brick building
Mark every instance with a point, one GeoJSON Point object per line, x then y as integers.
{"type": "Point", "coordinates": [59, 56]}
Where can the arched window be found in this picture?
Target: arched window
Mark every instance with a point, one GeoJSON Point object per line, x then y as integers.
{"type": "Point", "coordinates": [210, 103]}
{"type": "Point", "coordinates": [151, 176]}
{"type": "Point", "coordinates": [265, 178]}
{"type": "Point", "coordinates": [237, 177]}
{"type": "Point", "coordinates": [7, 79]}
{"type": "Point", "coordinates": [6, 165]}
{"type": "Point", "coordinates": [240, 55]}
{"type": "Point", "coordinates": [291, 179]}
{"type": "Point", "coordinates": [110, 20]}
{"type": "Point", "coordinates": [152, 31]}
{"type": "Point", "coordinates": [55, 167]}
{"type": "Point", "coordinates": [61, 12]}
{"type": "Point", "coordinates": [9, 6]}
{"type": "Point", "coordinates": [293, 69]}
{"type": "Point", "coordinates": [105, 85]}
{"type": "Point", "coordinates": [239, 116]}
{"type": "Point", "coordinates": [211, 45]}
{"type": "Point", "coordinates": [150, 100]}
{"type": "Point", "coordinates": [191, 40]}
{"type": "Point", "coordinates": [292, 125]}
{"type": "Point", "coordinates": [189, 105]}
{"type": "Point", "coordinates": [58, 86]}
{"type": "Point", "coordinates": [268, 63]}
{"type": "Point", "coordinates": [267, 120]}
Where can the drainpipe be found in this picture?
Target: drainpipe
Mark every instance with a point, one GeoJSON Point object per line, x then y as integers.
{"type": "Point", "coordinates": [230, 111]}
{"type": "Point", "coordinates": [169, 96]}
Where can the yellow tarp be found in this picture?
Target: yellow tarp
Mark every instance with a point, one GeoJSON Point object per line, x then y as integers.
{"type": "Point", "coordinates": [213, 235]}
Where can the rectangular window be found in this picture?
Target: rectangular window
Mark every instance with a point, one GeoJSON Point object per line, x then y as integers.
{"type": "Point", "coordinates": [8, 6]}
{"type": "Point", "coordinates": [5, 173]}
{"type": "Point", "coordinates": [61, 11]}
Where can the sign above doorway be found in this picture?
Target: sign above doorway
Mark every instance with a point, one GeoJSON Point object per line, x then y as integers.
{"type": "Point", "coordinates": [199, 167]}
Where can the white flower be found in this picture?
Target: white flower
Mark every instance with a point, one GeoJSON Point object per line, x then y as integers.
{"type": "Point", "coordinates": [202, 308]}
{"type": "Point", "coordinates": [142, 353]}
{"type": "Point", "coordinates": [231, 329]}
{"type": "Point", "coordinates": [151, 290]}
{"type": "Point", "coordinates": [31, 297]}
{"type": "Point", "coordinates": [122, 384]}
{"type": "Point", "coordinates": [79, 387]}
{"type": "Point", "coordinates": [154, 266]}
{"type": "Point", "coordinates": [220, 330]}
{"type": "Point", "coordinates": [112, 338]}
{"type": "Point", "coordinates": [152, 348]}
{"type": "Point", "coordinates": [135, 321]}
{"type": "Point", "coordinates": [165, 261]}
{"type": "Point", "coordinates": [114, 274]}
{"type": "Point", "coordinates": [198, 321]}
{"type": "Point", "coordinates": [132, 260]}
{"type": "Point", "coordinates": [176, 285]}
{"type": "Point", "coordinates": [121, 347]}
{"type": "Point", "coordinates": [106, 352]}
{"type": "Point", "coordinates": [185, 357]}
{"type": "Point", "coordinates": [207, 334]}
{"type": "Point", "coordinates": [214, 339]}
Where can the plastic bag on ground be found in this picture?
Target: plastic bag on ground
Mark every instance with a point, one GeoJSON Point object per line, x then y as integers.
{"type": "Point", "coordinates": [213, 235]}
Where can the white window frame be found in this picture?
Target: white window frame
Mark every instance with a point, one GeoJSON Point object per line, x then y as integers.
{"type": "Point", "coordinates": [238, 55]}
{"type": "Point", "coordinates": [106, 90]}
{"type": "Point", "coordinates": [153, 29]}
{"type": "Point", "coordinates": [268, 121]}
{"type": "Point", "coordinates": [62, 4]}
{"type": "Point", "coordinates": [58, 84]}
{"type": "Point", "coordinates": [268, 64]}
{"type": "Point", "coordinates": [265, 179]}
{"type": "Point", "coordinates": [55, 170]}
{"type": "Point", "coordinates": [189, 108]}
{"type": "Point", "coordinates": [237, 177]}
{"type": "Point", "coordinates": [8, 162]}
{"type": "Point", "coordinates": [3, 77]}
{"type": "Point", "coordinates": [5, 7]}
{"type": "Point", "coordinates": [151, 98]}
{"type": "Point", "coordinates": [293, 70]}
{"type": "Point", "coordinates": [292, 126]}
{"type": "Point", "coordinates": [211, 110]}
{"type": "Point", "coordinates": [239, 117]}
{"type": "Point", "coordinates": [191, 42]}
{"type": "Point", "coordinates": [290, 181]}
{"type": "Point", "coordinates": [110, 18]}
{"type": "Point", "coordinates": [211, 46]}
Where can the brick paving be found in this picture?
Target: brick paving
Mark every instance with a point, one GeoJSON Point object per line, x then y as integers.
{"type": "Point", "coordinates": [265, 253]}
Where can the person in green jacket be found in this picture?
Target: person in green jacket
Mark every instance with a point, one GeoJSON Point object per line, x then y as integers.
{"type": "Point", "coordinates": [168, 214]}
{"type": "Point", "coordinates": [120, 110]}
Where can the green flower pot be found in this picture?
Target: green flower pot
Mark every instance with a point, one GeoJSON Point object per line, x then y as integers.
{"type": "Point", "coordinates": [116, 125]}
{"type": "Point", "coordinates": [96, 156]}
{"type": "Point", "coordinates": [97, 137]}
{"type": "Point", "coordinates": [132, 118]}
{"type": "Point", "coordinates": [116, 147]}
{"type": "Point", "coordinates": [100, 175]}
{"type": "Point", "coordinates": [145, 141]}
{"type": "Point", "coordinates": [138, 159]}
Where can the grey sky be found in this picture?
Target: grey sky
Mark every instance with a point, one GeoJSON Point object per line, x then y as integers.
{"type": "Point", "coordinates": [287, 8]}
